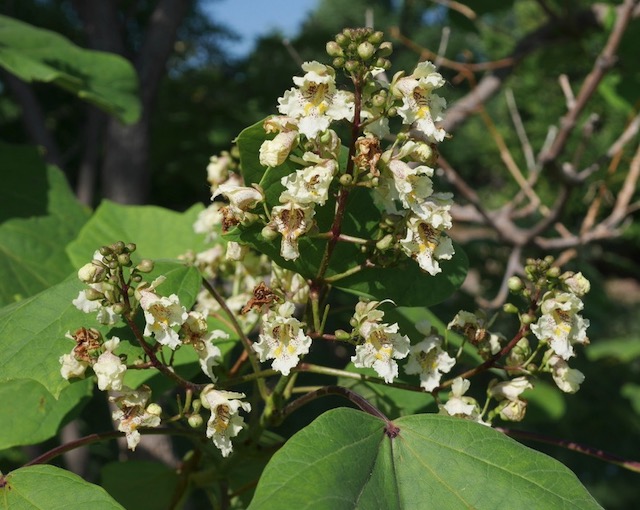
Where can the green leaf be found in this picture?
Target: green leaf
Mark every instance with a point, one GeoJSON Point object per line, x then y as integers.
{"type": "Point", "coordinates": [38, 217]}
{"type": "Point", "coordinates": [624, 349]}
{"type": "Point", "coordinates": [51, 488]}
{"type": "Point", "coordinates": [158, 233]}
{"type": "Point", "coordinates": [31, 414]}
{"type": "Point", "coordinates": [434, 462]}
{"type": "Point", "coordinates": [138, 484]}
{"type": "Point", "coordinates": [103, 79]}
{"type": "Point", "coordinates": [32, 334]}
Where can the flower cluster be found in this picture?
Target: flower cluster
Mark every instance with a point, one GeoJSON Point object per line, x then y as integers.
{"type": "Point", "coordinates": [134, 412]}
{"type": "Point", "coordinates": [380, 343]}
{"type": "Point", "coordinates": [225, 421]}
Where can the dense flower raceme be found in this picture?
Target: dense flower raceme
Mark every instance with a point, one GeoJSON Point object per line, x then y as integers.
{"type": "Point", "coordinates": [225, 421]}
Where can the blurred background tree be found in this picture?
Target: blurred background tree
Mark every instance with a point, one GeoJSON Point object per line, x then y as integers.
{"type": "Point", "coordinates": [516, 71]}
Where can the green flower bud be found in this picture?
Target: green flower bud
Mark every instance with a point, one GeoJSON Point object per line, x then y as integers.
{"type": "Point", "coordinates": [118, 247]}
{"type": "Point", "coordinates": [105, 250]}
{"type": "Point", "coordinates": [510, 308]}
{"type": "Point", "coordinates": [90, 273]}
{"type": "Point", "coordinates": [527, 318]}
{"type": "Point", "coordinates": [124, 259]}
{"type": "Point", "coordinates": [385, 243]}
{"type": "Point", "coordinates": [131, 247]}
{"type": "Point", "coordinates": [341, 334]}
{"type": "Point", "coordinates": [338, 62]}
{"type": "Point", "coordinates": [548, 260]}
{"type": "Point", "coordinates": [392, 112]}
{"type": "Point", "coordinates": [515, 284]}
{"type": "Point", "coordinates": [378, 100]}
{"type": "Point", "coordinates": [351, 66]}
{"type": "Point", "coordinates": [154, 409]}
{"type": "Point", "coordinates": [342, 40]}
{"type": "Point", "coordinates": [196, 405]}
{"type": "Point", "coordinates": [195, 421]}
{"type": "Point", "coordinates": [376, 37]}
{"type": "Point", "coordinates": [366, 50]}
{"type": "Point", "coordinates": [385, 49]}
{"type": "Point", "coordinates": [553, 272]}
{"type": "Point", "coordinates": [93, 294]}
{"type": "Point", "coordinates": [346, 179]}
{"type": "Point", "coordinates": [269, 233]}
{"type": "Point", "coordinates": [145, 266]}
{"type": "Point", "coordinates": [118, 308]}
{"type": "Point", "coordinates": [334, 49]}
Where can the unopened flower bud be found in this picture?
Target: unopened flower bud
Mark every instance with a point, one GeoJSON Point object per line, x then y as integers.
{"type": "Point", "coordinates": [351, 65]}
{"type": "Point", "coordinates": [366, 50]}
{"type": "Point", "coordinates": [145, 266]}
{"type": "Point", "coordinates": [195, 421]}
{"type": "Point", "coordinates": [118, 247]}
{"type": "Point", "coordinates": [269, 233]}
{"type": "Point", "coordinates": [93, 294]}
{"type": "Point", "coordinates": [196, 405]}
{"type": "Point", "coordinates": [553, 272]}
{"type": "Point", "coordinates": [341, 334]}
{"type": "Point", "coordinates": [154, 409]}
{"type": "Point", "coordinates": [392, 112]}
{"type": "Point", "coordinates": [385, 49]}
{"type": "Point", "coordinates": [346, 179]}
{"type": "Point", "coordinates": [118, 308]}
{"type": "Point", "coordinates": [376, 37]}
{"type": "Point", "coordinates": [105, 250]}
{"type": "Point", "coordinates": [342, 40]}
{"type": "Point", "coordinates": [90, 273]}
{"type": "Point", "coordinates": [515, 284]}
{"type": "Point", "coordinates": [334, 49]}
{"type": "Point", "coordinates": [385, 243]}
{"type": "Point", "coordinates": [131, 247]}
{"type": "Point", "coordinates": [378, 100]}
{"type": "Point", "coordinates": [338, 62]}
{"type": "Point", "coordinates": [509, 308]}
{"type": "Point", "coordinates": [527, 318]}
{"type": "Point", "coordinates": [124, 259]}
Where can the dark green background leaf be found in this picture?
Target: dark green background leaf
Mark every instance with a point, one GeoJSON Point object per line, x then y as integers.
{"type": "Point", "coordinates": [104, 79]}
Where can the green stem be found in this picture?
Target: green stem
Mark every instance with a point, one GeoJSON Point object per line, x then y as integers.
{"type": "Point", "coordinates": [356, 269]}
{"type": "Point", "coordinates": [247, 344]}
{"type": "Point", "coordinates": [248, 377]}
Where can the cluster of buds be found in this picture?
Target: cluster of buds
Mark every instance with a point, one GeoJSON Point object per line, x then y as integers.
{"type": "Point", "coordinates": [110, 287]}
{"type": "Point", "coordinates": [356, 50]}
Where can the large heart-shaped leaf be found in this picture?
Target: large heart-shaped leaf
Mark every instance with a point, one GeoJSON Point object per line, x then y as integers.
{"type": "Point", "coordinates": [158, 233]}
{"type": "Point", "coordinates": [51, 488]}
{"type": "Point", "coordinates": [346, 460]}
{"type": "Point", "coordinates": [38, 217]}
{"type": "Point", "coordinates": [104, 79]}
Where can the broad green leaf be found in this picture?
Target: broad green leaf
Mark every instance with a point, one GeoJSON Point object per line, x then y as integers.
{"type": "Point", "coordinates": [51, 488]}
{"type": "Point", "coordinates": [38, 217]}
{"type": "Point", "coordinates": [139, 484]}
{"type": "Point", "coordinates": [345, 460]}
{"type": "Point", "coordinates": [158, 233]}
{"type": "Point", "coordinates": [104, 79]}
{"type": "Point", "coordinates": [32, 332]}
{"type": "Point", "coordinates": [30, 414]}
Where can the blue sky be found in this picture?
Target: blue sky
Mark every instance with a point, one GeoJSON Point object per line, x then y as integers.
{"type": "Point", "coordinates": [252, 18]}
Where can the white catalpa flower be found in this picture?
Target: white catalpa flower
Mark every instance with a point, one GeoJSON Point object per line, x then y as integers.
{"type": "Point", "coordinates": [275, 152]}
{"type": "Point", "coordinates": [419, 104]}
{"type": "Point", "coordinates": [218, 169]}
{"type": "Point", "coordinates": [576, 283]}
{"type": "Point", "coordinates": [510, 390]}
{"type": "Point", "coordinates": [382, 346]}
{"type": "Point", "coordinates": [428, 359]}
{"type": "Point", "coordinates": [291, 220]}
{"type": "Point", "coordinates": [459, 405]}
{"type": "Point", "coordinates": [316, 102]}
{"type": "Point", "coordinates": [225, 421]}
{"type": "Point", "coordinates": [236, 251]}
{"type": "Point", "coordinates": [241, 198]}
{"type": "Point", "coordinates": [133, 413]}
{"type": "Point", "coordinates": [309, 185]}
{"type": "Point", "coordinates": [209, 221]}
{"type": "Point", "coordinates": [560, 323]}
{"type": "Point", "coordinates": [105, 315]}
{"type": "Point", "coordinates": [410, 185]}
{"type": "Point", "coordinates": [282, 339]}
{"type": "Point", "coordinates": [567, 379]}
{"type": "Point", "coordinates": [109, 368]}
{"type": "Point", "coordinates": [195, 332]}
{"type": "Point", "coordinates": [426, 244]}
{"type": "Point", "coordinates": [71, 366]}
{"type": "Point", "coordinates": [162, 314]}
